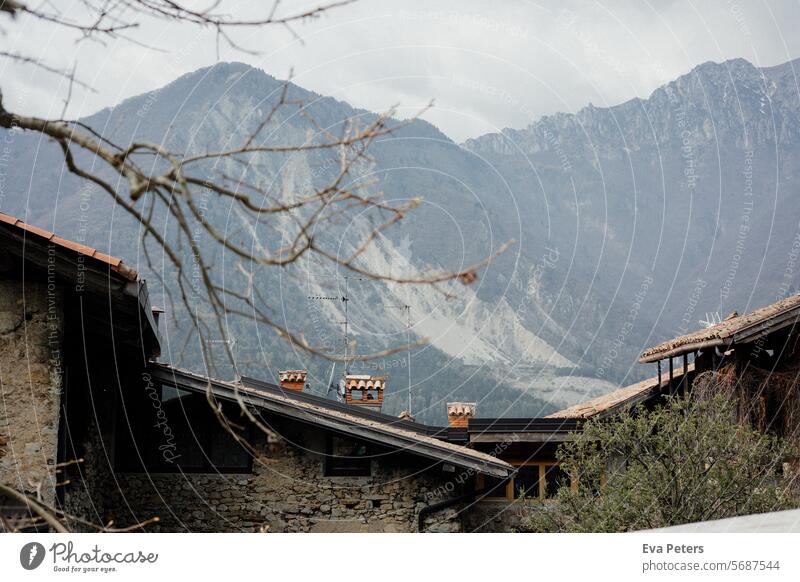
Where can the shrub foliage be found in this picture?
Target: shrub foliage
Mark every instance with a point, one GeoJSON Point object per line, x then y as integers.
{"type": "Point", "coordinates": [684, 461]}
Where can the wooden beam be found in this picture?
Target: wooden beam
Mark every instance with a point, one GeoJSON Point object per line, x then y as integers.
{"type": "Point", "coordinates": [523, 437]}
{"type": "Point", "coordinates": [685, 380]}
{"type": "Point", "coordinates": [671, 377]}
{"type": "Point", "coordinates": [753, 333]}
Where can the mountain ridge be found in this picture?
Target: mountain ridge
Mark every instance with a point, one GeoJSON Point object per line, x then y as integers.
{"type": "Point", "coordinates": [614, 224]}
{"type": "Point", "coordinates": [730, 65]}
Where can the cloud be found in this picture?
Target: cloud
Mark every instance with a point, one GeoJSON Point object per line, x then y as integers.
{"type": "Point", "coordinates": [487, 67]}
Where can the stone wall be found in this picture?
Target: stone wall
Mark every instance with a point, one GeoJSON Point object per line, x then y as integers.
{"type": "Point", "coordinates": [288, 493]}
{"type": "Point", "coordinates": [30, 385]}
{"type": "Point", "coordinates": [495, 517]}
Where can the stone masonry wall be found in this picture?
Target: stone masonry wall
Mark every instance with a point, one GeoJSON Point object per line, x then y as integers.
{"type": "Point", "coordinates": [490, 516]}
{"type": "Point", "coordinates": [288, 494]}
{"type": "Point", "coordinates": [30, 385]}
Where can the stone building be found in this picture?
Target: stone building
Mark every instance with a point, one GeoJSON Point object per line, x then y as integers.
{"type": "Point", "coordinates": [93, 425]}
{"type": "Point", "coordinates": [66, 310]}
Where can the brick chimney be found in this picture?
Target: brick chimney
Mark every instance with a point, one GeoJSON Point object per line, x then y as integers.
{"type": "Point", "coordinates": [459, 413]}
{"type": "Point", "coordinates": [364, 390]}
{"type": "Point", "coordinates": [294, 380]}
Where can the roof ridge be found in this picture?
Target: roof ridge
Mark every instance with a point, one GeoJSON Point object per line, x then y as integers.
{"type": "Point", "coordinates": [722, 331]}
{"type": "Point", "coordinates": [115, 263]}
{"type": "Point", "coordinates": [615, 398]}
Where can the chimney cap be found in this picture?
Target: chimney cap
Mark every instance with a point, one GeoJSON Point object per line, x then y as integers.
{"type": "Point", "coordinates": [292, 375]}
{"type": "Point", "coordinates": [365, 382]}
{"type": "Point", "coordinates": [461, 408]}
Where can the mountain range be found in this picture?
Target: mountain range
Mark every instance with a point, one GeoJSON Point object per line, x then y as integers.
{"type": "Point", "coordinates": [630, 223]}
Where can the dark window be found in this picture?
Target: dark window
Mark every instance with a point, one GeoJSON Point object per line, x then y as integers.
{"type": "Point", "coordinates": [347, 458]}
{"type": "Point", "coordinates": [227, 452]}
{"type": "Point", "coordinates": [526, 482]}
{"type": "Point", "coordinates": [166, 429]}
{"type": "Point", "coordinates": [496, 486]}
{"type": "Point", "coordinates": [555, 478]}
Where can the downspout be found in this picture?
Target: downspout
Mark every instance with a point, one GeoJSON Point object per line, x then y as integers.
{"type": "Point", "coordinates": [426, 511]}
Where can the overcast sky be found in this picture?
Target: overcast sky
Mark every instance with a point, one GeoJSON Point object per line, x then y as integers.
{"type": "Point", "coordinates": [487, 65]}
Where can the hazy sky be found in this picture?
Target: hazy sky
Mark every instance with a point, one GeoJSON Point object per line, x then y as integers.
{"type": "Point", "coordinates": [488, 65]}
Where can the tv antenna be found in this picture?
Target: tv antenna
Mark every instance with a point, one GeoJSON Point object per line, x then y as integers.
{"type": "Point", "coordinates": [712, 318]}
{"type": "Point", "coordinates": [344, 299]}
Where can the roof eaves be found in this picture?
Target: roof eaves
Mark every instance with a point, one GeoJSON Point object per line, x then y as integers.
{"type": "Point", "coordinates": [742, 328]}
{"type": "Point", "coordinates": [655, 355]}
{"type": "Point", "coordinates": [316, 413]}
{"type": "Point", "coordinates": [630, 395]}
{"type": "Point", "coordinates": [115, 263]}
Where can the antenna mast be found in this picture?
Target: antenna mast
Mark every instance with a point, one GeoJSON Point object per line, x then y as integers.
{"type": "Point", "coordinates": [346, 300]}
{"type": "Point", "coordinates": [407, 309]}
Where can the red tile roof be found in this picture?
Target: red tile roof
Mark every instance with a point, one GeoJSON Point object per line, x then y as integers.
{"type": "Point", "coordinates": [114, 263]}
{"type": "Point", "coordinates": [734, 327]}
{"type": "Point", "coordinates": [618, 398]}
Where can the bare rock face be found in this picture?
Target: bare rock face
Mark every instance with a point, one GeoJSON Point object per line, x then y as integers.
{"type": "Point", "coordinates": [631, 222]}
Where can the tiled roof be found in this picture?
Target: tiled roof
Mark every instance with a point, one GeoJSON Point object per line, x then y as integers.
{"type": "Point", "coordinates": [114, 263]}
{"type": "Point", "coordinates": [618, 398]}
{"type": "Point", "coordinates": [774, 316]}
{"type": "Point", "coordinates": [328, 414]}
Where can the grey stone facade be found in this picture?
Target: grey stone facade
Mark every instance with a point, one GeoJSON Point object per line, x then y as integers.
{"type": "Point", "coordinates": [287, 492]}
{"type": "Point", "coordinates": [496, 517]}
{"type": "Point", "coordinates": [30, 385]}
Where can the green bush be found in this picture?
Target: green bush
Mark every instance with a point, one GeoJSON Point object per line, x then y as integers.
{"type": "Point", "coordinates": [682, 462]}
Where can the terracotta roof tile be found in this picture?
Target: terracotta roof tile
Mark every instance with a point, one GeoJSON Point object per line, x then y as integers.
{"type": "Point", "coordinates": [461, 408]}
{"type": "Point", "coordinates": [77, 247]}
{"type": "Point", "coordinates": [36, 230]}
{"type": "Point", "coordinates": [292, 375]}
{"type": "Point", "coordinates": [362, 382]}
{"type": "Point", "coordinates": [616, 398]}
{"type": "Point", "coordinates": [774, 314]}
{"type": "Point", "coordinates": [114, 263]}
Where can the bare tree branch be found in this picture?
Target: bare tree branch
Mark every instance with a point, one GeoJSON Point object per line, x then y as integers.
{"type": "Point", "coordinates": [156, 185]}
